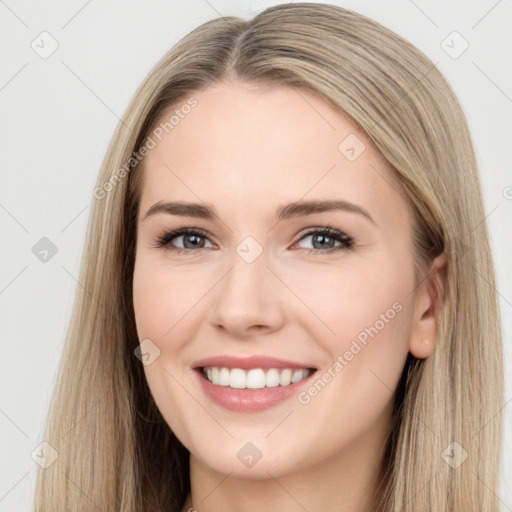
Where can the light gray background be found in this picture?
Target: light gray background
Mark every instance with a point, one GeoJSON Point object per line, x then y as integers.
{"type": "Point", "coordinates": [59, 113]}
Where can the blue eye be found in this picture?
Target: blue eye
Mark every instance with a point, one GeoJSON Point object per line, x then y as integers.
{"type": "Point", "coordinates": [194, 238]}
{"type": "Point", "coordinates": [327, 236]}
{"type": "Point", "coordinates": [191, 237]}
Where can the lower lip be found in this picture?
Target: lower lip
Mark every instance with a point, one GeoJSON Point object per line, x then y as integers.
{"type": "Point", "coordinates": [249, 400]}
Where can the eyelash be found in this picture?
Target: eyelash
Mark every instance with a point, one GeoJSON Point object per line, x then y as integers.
{"type": "Point", "coordinates": [346, 241]}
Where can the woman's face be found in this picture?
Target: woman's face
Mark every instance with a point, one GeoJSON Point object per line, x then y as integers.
{"type": "Point", "coordinates": [255, 285]}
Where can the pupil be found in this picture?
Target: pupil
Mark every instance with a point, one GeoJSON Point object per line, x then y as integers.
{"type": "Point", "coordinates": [194, 243]}
{"type": "Point", "coordinates": [321, 237]}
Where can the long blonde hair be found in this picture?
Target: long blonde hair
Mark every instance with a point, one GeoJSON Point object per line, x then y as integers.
{"type": "Point", "coordinates": [115, 451]}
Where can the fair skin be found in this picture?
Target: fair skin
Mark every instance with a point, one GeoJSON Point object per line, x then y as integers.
{"type": "Point", "coordinates": [246, 151]}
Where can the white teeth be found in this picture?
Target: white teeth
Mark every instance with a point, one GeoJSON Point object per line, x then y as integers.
{"type": "Point", "coordinates": [286, 377]}
{"type": "Point", "coordinates": [224, 377]}
{"type": "Point", "coordinates": [297, 375]}
{"type": "Point", "coordinates": [237, 379]}
{"type": "Point", "coordinates": [256, 378]}
{"type": "Point", "coordinates": [272, 378]}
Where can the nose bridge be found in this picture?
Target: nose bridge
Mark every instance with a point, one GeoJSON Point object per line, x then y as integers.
{"type": "Point", "coordinates": [245, 296]}
{"type": "Point", "coordinates": [248, 267]}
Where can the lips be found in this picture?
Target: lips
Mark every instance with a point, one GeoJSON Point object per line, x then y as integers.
{"type": "Point", "coordinates": [250, 384]}
{"type": "Point", "coordinates": [248, 363]}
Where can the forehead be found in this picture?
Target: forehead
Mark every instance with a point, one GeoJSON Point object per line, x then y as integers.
{"type": "Point", "coordinates": [253, 147]}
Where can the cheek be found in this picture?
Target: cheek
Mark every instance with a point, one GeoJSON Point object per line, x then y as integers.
{"type": "Point", "coordinates": [354, 296]}
{"type": "Point", "coordinates": [161, 298]}
{"type": "Point", "coordinates": [369, 312]}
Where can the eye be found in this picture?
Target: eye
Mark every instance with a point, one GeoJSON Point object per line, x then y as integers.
{"type": "Point", "coordinates": [191, 239]}
{"type": "Point", "coordinates": [324, 240]}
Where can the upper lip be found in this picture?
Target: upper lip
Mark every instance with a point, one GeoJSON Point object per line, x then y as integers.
{"type": "Point", "coordinates": [248, 363]}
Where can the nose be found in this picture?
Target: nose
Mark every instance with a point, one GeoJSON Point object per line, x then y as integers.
{"type": "Point", "coordinates": [248, 300]}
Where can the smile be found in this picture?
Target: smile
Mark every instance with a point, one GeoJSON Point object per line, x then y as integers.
{"type": "Point", "coordinates": [256, 378]}
{"type": "Point", "coordinates": [250, 384]}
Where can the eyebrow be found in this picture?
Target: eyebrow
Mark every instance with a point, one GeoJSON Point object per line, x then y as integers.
{"type": "Point", "coordinates": [297, 209]}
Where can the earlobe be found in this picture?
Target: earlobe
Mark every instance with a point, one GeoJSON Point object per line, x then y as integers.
{"type": "Point", "coordinates": [428, 303]}
{"type": "Point", "coordinates": [422, 348]}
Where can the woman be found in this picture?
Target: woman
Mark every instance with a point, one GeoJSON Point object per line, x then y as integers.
{"type": "Point", "coordinates": [214, 361]}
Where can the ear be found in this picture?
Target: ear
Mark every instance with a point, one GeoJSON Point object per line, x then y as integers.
{"type": "Point", "coordinates": [428, 302]}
